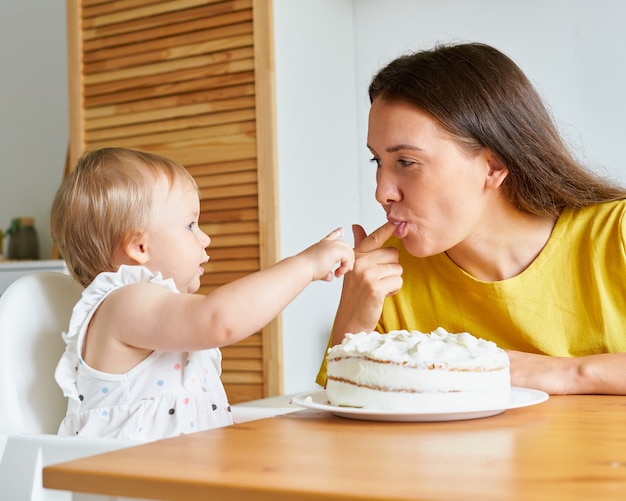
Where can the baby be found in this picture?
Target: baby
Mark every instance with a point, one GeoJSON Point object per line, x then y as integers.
{"type": "Point", "coordinates": [142, 360]}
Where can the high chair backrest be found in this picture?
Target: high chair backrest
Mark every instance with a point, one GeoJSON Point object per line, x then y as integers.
{"type": "Point", "coordinates": [34, 311]}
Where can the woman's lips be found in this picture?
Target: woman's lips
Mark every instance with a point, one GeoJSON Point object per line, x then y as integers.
{"type": "Point", "coordinates": [400, 227]}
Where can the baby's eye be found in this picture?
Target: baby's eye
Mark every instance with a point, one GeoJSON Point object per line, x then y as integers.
{"type": "Point", "coordinates": [190, 226]}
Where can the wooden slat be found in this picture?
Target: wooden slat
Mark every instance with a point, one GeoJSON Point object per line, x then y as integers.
{"type": "Point", "coordinates": [217, 149]}
{"type": "Point", "coordinates": [142, 132]}
{"type": "Point", "coordinates": [231, 98]}
{"type": "Point", "coordinates": [144, 54]}
{"type": "Point", "coordinates": [93, 8]}
{"type": "Point", "coordinates": [244, 392]}
{"type": "Point", "coordinates": [254, 340]}
{"type": "Point", "coordinates": [230, 178]}
{"type": "Point", "coordinates": [171, 102]}
{"type": "Point", "coordinates": [232, 265]}
{"type": "Point", "coordinates": [229, 216]}
{"type": "Point", "coordinates": [143, 24]}
{"type": "Point", "coordinates": [155, 90]}
{"type": "Point", "coordinates": [228, 132]}
{"type": "Point", "coordinates": [209, 169]}
{"type": "Point", "coordinates": [178, 75]}
{"type": "Point", "coordinates": [130, 75]}
{"type": "Point", "coordinates": [222, 278]}
{"type": "Point", "coordinates": [242, 352]}
{"type": "Point", "coordinates": [236, 228]}
{"type": "Point", "coordinates": [229, 191]}
{"type": "Point", "coordinates": [233, 253]}
{"type": "Point", "coordinates": [235, 240]}
{"type": "Point", "coordinates": [140, 11]}
{"type": "Point", "coordinates": [226, 216]}
{"type": "Point", "coordinates": [198, 31]}
{"type": "Point", "coordinates": [236, 377]}
{"type": "Point", "coordinates": [243, 364]}
{"type": "Point", "coordinates": [216, 203]}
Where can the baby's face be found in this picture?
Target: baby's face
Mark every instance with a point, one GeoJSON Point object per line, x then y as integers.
{"type": "Point", "coordinates": [175, 244]}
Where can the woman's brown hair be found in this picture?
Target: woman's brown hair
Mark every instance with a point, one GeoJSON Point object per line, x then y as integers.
{"type": "Point", "coordinates": [483, 98]}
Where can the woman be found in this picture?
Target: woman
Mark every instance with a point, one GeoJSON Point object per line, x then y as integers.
{"type": "Point", "coordinates": [493, 227]}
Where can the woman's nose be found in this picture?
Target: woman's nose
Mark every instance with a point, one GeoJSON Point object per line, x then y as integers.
{"type": "Point", "coordinates": [387, 189]}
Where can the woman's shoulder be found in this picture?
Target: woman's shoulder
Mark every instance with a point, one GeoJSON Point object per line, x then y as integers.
{"type": "Point", "coordinates": [597, 217]}
{"type": "Point", "coordinates": [596, 225]}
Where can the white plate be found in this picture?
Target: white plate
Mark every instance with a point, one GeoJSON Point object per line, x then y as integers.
{"type": "Point", "coordinates": [520, 397]}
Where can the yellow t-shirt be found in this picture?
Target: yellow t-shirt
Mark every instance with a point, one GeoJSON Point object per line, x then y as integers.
{"type": "Point", "coordinates": [570, 301]}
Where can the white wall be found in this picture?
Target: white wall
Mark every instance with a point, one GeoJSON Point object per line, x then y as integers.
{"type": "Point", "coordinates": [33, 111]}
{"type": "Point", "coordinates": [326, 53]}
{"type": "Point", "coordinates": [318, 171]}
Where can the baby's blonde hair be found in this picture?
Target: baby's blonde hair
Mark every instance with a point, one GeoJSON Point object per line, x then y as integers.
{"type": "Point", "coordinates": [106, 200]}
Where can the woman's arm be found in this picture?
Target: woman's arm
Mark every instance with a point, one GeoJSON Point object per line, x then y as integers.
{"type": "Point", "coordinates": [592, 374]}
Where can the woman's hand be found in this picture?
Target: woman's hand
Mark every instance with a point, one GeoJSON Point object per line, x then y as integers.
{"type": "Point", "coordinates": [540, 372]}
{"type": "Point", "coordinates": [376, 275]}
{"type": "Point", "coordinates": [593, 374]}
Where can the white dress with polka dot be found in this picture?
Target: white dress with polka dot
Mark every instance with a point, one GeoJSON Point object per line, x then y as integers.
{"type": "Point", "coordinates": [163, 396]}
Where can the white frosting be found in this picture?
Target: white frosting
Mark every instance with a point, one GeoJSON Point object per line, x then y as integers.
{"type": "Point", "coordinates": [408, 369]}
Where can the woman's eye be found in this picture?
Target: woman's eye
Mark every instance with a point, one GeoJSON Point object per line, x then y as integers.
{"type": "Point", "coordinates": [376, 161]}
{"type": "Point", "coordinates": [405, 163]}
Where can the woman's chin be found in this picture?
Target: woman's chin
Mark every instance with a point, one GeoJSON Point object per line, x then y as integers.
{"type": "Point", "coordinates": [419, 249]}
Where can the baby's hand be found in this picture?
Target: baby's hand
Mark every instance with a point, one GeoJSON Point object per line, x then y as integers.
{"type": "Point", "coordinates": [330, 257]}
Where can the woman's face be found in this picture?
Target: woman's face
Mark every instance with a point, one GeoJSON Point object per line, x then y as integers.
{"type": "Point", "coordinates": [436, 192]}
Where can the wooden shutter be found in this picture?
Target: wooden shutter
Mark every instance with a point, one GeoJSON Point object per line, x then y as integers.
{"type": "Point", "coordinates": [192, 80]}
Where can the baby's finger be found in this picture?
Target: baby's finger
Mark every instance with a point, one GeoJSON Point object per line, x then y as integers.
{"type": "Point", "coordinates": [336, 234]}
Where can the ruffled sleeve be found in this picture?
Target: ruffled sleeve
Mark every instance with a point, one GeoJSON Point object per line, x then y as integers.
{"type": "Point", "coordinates": [105, 283]}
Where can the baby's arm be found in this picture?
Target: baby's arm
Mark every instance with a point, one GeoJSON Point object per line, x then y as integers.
{"type": "Point", "coordinates": [150, 317]}
{"type": "Point", "coordinates": [263, 295]}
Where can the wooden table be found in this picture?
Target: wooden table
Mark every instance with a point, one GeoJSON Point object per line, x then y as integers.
{"type": "Point", "coordinates": [568, 448]}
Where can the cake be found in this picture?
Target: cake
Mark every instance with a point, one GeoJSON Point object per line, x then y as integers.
{"type": "Point", "coordinates": [411, 370]}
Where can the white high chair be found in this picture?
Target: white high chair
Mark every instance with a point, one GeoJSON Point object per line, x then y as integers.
{"type": "Point", "coordinates": [34, 310]}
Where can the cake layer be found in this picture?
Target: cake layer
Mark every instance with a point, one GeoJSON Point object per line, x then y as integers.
{"type": "Point", "coordinates": [347, 395]}
{"type": "Point", "coordinates": [396, 377]}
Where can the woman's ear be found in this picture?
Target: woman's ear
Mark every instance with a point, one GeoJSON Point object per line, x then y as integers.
{"type": "Point", "coordinates": [497, 171]}
{"type": "Point", "coordinates": [135, 248]}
